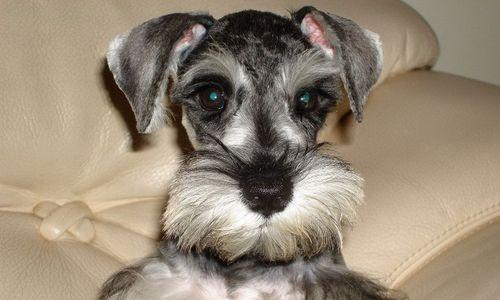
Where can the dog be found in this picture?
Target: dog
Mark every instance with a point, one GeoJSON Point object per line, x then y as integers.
{"type": "Point", "coordinates": [256, 210]}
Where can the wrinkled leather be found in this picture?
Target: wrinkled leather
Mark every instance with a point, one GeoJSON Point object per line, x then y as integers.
{"type": "Point", "coordinates": [428, 151]}
{"type": "Point", "coordinates": [81, 192]}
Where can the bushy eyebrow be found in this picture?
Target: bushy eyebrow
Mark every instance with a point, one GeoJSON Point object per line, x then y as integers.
{"type": "Point", "coordinates": [307, 70]}
{"type": "Point", "coordinates": [217, 63]}
{"type": "Point", "coordinates": [210, 79]}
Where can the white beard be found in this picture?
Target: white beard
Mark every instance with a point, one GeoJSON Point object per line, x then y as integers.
{"type": "Point", "coordinates": [206, 211]}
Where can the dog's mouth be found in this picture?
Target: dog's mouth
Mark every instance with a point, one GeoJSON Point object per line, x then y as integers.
{"type": "Point", "coordinates": [273, 208]}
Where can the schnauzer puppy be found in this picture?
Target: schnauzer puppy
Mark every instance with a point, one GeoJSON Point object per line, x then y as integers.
{"type": "Point", "coordinates": [256, 210]}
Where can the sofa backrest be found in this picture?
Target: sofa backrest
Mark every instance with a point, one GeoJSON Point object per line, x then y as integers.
{"type": "Point", "coordinates": [67, 132]}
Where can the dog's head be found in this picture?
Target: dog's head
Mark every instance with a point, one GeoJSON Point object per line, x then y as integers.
{"type": "Point", "coordinates": [255, 88]}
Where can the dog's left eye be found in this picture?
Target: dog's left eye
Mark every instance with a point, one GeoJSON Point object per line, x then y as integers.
{"type": "Point", "coordinates": [306, 101]}
{"type": "Point", "coordinates": [212, 98]}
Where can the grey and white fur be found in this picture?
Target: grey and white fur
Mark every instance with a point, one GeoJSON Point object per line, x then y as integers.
{"type": "Point", "coordinates": [256, 210]}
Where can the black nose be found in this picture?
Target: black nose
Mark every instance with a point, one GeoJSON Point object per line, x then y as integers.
{"type": "Point", "coordinates": [266, 192]}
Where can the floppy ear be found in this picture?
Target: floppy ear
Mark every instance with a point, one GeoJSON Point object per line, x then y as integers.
{"type": "Point", "coordinates": [142, 60]}
{"type": "Point", "coordinates": [355, 50]}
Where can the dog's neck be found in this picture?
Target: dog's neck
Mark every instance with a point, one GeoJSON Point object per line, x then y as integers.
{"type": "Point", "coordinates": [324, 276]}
{"type": "Point", "coordinates": [299, 277]}
{"type": "Point", "coordinates": [207, 259]}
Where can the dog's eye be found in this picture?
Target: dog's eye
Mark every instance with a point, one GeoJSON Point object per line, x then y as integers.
{"type": "Point", "coordinates": [212, 98]}
{"type": "Point", "coordinates": [306, 101]}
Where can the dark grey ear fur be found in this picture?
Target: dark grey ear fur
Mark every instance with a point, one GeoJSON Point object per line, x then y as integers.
{"type": "Point", "coordinates": [357, 51]}
{"type": "Point", "coordinates": [142, 59]}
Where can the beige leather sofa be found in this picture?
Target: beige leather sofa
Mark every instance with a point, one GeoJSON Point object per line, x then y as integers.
{"type": "Point", "coordinates": [81, 191]}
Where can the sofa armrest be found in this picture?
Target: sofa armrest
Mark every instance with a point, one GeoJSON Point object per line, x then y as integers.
{"type": "Point", "coordinates": [428, 151]}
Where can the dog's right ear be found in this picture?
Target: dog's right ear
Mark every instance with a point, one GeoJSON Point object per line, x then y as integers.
{"type": "Point", "coordinates": [143, 59]}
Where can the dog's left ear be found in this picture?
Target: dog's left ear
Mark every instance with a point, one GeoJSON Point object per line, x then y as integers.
{"type": "Point", "coordinates": [142, 60]}
{"type": "Point", "coordinates": [356, 51]}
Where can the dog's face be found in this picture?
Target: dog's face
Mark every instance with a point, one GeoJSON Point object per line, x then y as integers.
{"type": "Point", "coordinates": [255, 88]}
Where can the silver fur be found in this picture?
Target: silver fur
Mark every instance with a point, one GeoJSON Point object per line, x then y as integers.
{"type": "Point", "coordinates": [257, 210]}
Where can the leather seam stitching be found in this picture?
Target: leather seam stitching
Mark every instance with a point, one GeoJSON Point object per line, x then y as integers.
{"type": "Point", "coordinates": [452, 228]}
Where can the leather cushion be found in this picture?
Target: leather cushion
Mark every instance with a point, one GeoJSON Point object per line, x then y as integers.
{"type": "Point", "coordinates": [428, 151]}
{"type": "Point", "coordinates": [68, 136]}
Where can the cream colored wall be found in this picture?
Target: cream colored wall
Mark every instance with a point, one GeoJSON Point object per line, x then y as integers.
{"type": "Point", "coordinates": [468, 33]}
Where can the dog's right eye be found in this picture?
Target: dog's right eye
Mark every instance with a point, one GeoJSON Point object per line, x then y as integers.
{"type": "Point", "coordinates": [212, 98]}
